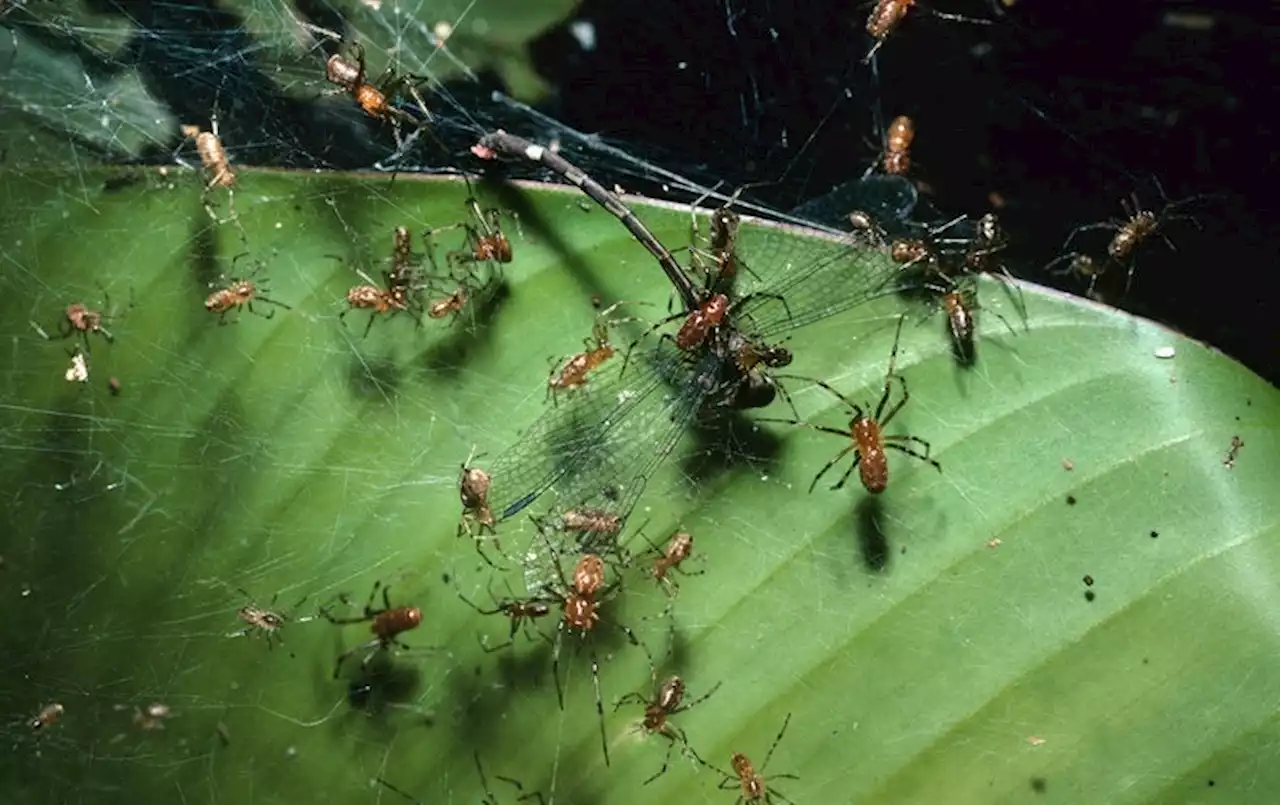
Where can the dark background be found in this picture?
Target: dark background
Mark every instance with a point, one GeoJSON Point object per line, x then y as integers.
{"type": "Point", "coordinates": [1063, 109]}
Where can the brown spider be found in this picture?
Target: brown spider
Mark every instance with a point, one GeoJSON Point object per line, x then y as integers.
{"type": "Point", "coordinates": [581, 599]}
{"type": "Point", "coordinates": [80, 319]}
{"type": "Point", "coordinates": [265, 620]}
{"type": "Point", "coordinates": [867, 440]}
{"type": "Point", "coordinates": [240, 293]}
{"type": "Point", "coordinates": [667, 701]}
{"type": "Point", "coordinates": [751, 780]}
{"type": "Point", "coordinates": [386, 624]}
{"type": "Point", "coordinates": [376, 99]}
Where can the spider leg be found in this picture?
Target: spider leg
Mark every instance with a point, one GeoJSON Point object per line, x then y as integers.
{"type": "Point", "coordinates": [904, 449]}
{"type": "Point", "coordinates": [857, 457]}
{"type": "Point", "coordinates": [666, 759]}
{"type": "Point", "coordinates": [1107, 225]}
{"type": "Point", "coordinates": [595, 679]}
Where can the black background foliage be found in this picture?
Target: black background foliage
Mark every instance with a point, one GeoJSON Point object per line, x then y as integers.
{"type": "Point", "coordinates": [1071, 107]}
{"type": "Point", "coordinates": [1062, 109]}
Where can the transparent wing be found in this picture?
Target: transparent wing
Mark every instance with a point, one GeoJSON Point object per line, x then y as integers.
{"type": "Point", "coordinates": [817, 278]}
{"type": "Point", "coordinates": [600, 446]}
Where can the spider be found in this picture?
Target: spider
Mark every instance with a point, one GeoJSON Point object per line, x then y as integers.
{"type": "Point", "coordinates": [1138, 226]}
{"type": "Point", "coordinates": [581, 599]}
{"type": "Point", "coordinates": [241, 292]}
{"type": "Point", "coordinates": [486, 243]}
{"type": "Point", "coordinates": [395, 297]}
{"type": "Point", "coordinates": [386, 624]}
{"type": "Point", "coordinates": [752, 781]}
{"type": "Point", "coordinates": [670, 558]}
{"type": "Point", "coordinates": [867, 440]}
{"type": "Point", "coordinates": [376, 99]}
{"type": "Point", "coordinates": [265, 620]}
{"type": "Point", "coordinates": [520, 611]}
{"type": "Point", "coordinates": [80, 319]}
{"type": "Point", "coordinates": [667, 701]}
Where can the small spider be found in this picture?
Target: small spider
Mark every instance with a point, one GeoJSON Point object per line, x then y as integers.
{"type": "Point", "coordinates": [240, 293]}
{"type": "Point", "coordinates": [678, 549]}
{"type": "Point", "coordinates": [387, 624]}
{"type": "Point", "coordinates": [377, 99]}
{"type": "Point", "coordinates": [572, 374]}
{"type": "Point", "coordinates": [477, 519]}
{"type": "Point", "coordinates": [213, 156]}
{"type": "Point", "coordinates": [897, 149]}
{"type": "Point", "coordinates": [521, 612]}
{"type": "Point", "coordinates": [377, 300]}
{"type": "Point", "coordinates": [667, 701]}
{"type": "Point", "coordinates": [80, 319]}
{"type": "Point", "coordinates": [867, 440]}
{"type": "Point", "coordinates": [47, 717]}
{"type": "Point", "coordinates": [716, 256]}
{"type": "Point", "coordinates": [581, 600]}
{"type": "Point", "coordinates": [750, 779]}
{"type": "Point", "coordinates": [265, 620]}
{"type": "Point", "coordinates": [1138, 226]}
{"type": "Point", "coordinates": [486, 244]}
{"type": "Point", "coordinates": [888, 15]}
{"type": "Point", "coordinates": [452, 304]}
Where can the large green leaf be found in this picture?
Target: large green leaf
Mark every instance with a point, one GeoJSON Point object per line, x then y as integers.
{"type": "Point", "coordinates": [934, 644]}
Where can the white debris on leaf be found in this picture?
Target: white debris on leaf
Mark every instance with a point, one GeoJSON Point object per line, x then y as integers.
{"type": "Point", "coordinates": [79, 370]}
{"type": "Point", "coordinates": [1165, 352]}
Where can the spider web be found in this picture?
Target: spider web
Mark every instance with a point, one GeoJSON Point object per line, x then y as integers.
{"type": "Point", "coordinates": [133, 538]}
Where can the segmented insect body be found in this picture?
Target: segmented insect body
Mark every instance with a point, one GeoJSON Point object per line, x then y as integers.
{"type": "Point", "coordinates": [235, 295]}
{"type": "Point", "coordinates": [959, 317]}
{"type": "Point", "coordinates": [473, 488]}
{"type": "Point", "coordinates": [212, 156]}
{"type": "Point", "coordinates": [1138, 228]}
{"type": "Point", "coordinates": [573, 374]}
{"type": "Point", "coordinates": [386, 624]}
{"type": "Point", "coordinates": [907, 250]}
{"type": "Point", "coordinates": [47, 717]}
{"type": "Point", "coordinates": [678, 549]}
{"type": "Point", "coordinates": [371, 297]}
{"type": "Point", "coordinates": [753, 786]}
{"type": "Point", "coordinates": [698, 326]}
{"type": "Point", "coordinates": [897, 155]}
{"type": "Point", "coordinates": [581, 609]}
{"type": "Point", "coordinates": [451, 304]}
{"type": "Point", "coordinates": [883, 20]}
{"type": "Point", "coordinates": [724, 233]}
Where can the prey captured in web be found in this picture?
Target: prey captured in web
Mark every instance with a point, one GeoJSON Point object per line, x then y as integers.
{"type": "Point", "coordinates": [597, 449]}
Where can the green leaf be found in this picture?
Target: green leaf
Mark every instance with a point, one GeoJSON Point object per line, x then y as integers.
{"type": "Point", "coordinates": [931, 644]}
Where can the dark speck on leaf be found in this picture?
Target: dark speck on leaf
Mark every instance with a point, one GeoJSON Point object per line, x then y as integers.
{"type": "Point", "coordinates": [444, 577]}
{"type": "Point", "coordinates": [1071, 500]}
{"type": "Point", "coordinates": [1155, 534]}
{"type": "Point", "coordinates": [1211, 783]}
{"type": "Point", "coordinates": [1089, 595]}
{"type": "Point", "coordinates": [1088, 580]}
{"type": "Point", "coordinates": [1039, 785]}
